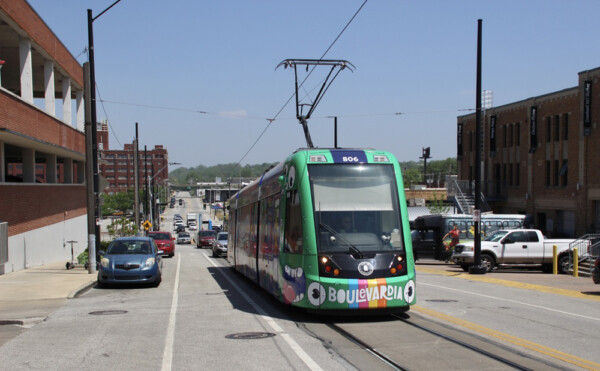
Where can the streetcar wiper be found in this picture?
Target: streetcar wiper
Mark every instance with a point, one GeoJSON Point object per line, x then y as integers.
{"type": "Point", "coordinates": [353, 249]}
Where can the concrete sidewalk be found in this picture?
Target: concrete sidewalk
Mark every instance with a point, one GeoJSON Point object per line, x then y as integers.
{"type": "Point", "coordinates": [38, 291]}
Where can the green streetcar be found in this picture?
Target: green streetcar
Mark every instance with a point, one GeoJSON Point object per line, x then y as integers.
{"type": "Point", "coordinates": [327, 229]}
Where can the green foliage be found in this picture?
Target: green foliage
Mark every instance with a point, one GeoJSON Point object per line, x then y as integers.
{"type": "Point", "coordinates": [122, 227]}
{"type": "Point", "coordinates": [438, 206]}
{"type": "Point", "coordinates": [203, 173]}
{"type": "Point", "coordinates": [121, 202]}
{"type": "Point", "coordinates": [412, 171]}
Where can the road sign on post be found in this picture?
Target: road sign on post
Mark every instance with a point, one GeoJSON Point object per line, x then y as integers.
{"type": "Point", "coordinates": [147, 225]}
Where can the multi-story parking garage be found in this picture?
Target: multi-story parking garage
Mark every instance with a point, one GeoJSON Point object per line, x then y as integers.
{"type": "Point", "coordinates": [42, 146]}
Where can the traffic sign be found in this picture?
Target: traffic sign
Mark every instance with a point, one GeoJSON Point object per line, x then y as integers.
{"type": "Point", "coordinates": [147, 225]}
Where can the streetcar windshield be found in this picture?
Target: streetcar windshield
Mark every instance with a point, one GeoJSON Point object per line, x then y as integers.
{"type": "Point", "coordinates": [356, 207]}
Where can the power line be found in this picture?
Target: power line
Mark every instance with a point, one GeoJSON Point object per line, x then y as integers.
{"type": "Point", "coordinates": [302, 84]}
{"type": "Point", "coordinates": [106, 114]}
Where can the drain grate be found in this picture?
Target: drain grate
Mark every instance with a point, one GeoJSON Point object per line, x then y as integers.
{"type": "Point", "coordinates": [250, 335]}
{"type": "Point", "coordinates": [10, 322]}
{"type": "Point", "coordinates": [442, 301]}
{"type": "Point", "coordinates": [107, 312]}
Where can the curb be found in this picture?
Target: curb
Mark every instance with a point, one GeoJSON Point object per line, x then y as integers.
{"type": "Point", "coordinates": [81, 289]}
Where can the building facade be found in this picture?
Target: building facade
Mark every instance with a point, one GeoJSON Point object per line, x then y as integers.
{"type": "Point", "coordinates": [540, 157]}
{"type": "Point", "coordinates": [117, 165]}
{"type": "Point", "coordinates": [42, 145]}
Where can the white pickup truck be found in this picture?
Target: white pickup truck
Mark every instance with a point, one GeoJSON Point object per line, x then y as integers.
{"type": "Point", "coordinates": [515, 248]}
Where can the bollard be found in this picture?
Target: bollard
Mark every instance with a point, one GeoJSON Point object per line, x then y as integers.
{"type": "Point", "coordinates": [554, 259]}
{"type": "Point", "coordinates": [575, 262]}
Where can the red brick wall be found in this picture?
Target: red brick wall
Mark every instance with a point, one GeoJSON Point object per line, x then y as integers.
{"type": "Point", "coordinates": [28, 207]}
{"type": "Point", "coordinates": [25, 119]}
{"type": "Point", "coordinates": [24, 16]}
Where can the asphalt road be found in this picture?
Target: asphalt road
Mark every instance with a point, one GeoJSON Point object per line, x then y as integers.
{"type": "Point", "coordinates": [205, 316]}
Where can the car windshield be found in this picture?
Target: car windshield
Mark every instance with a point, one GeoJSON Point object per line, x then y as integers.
{"type": "Point", "coordinates": [496, 236]}
{"type": "Point", "coordinates": [222, 237]}
{"type": "Point", "coordinates": [160, 236]}
{"type": "Point", "coordinates": [208, 234]}
{"type": "Point", "coordinates": [356, 207]}
{"type": "Point", "coordinates": [184, 234]}
{"type": "Point", "coordinates": [129, 247]}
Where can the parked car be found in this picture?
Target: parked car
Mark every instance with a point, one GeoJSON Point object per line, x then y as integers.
{"type": "Point", "coordinates": [184, 237]}
{"type": "Point", "coordinates": [515, 248]}
{"type": "Point", "coordinates": [180, 228]}
{"type": "Point", "coordinates": [130, 260]}
{"type": "Point", "coordinates": [164, 241]}
{"type": "Point", "coordinates": [219, 247]}
{"type": "Point", "coordinates": [596, 271]}
{"type": "Point", "coordinates": [206, 238]}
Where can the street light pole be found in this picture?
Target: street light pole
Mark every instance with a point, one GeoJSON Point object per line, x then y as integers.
{"type": "Point", "coordinates": [92, 73]}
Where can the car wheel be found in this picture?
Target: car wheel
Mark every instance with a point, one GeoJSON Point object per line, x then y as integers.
{"type": "Point", "coordinates": [488, 262]}
{"type": "Point", "coordinates": [564, 264]}
{"type": "Point", "coordinates": [465, 267]}
{"type": "Point", "coordinates": [157, 281]}
{"type": "Point", "coordinates": [101, 285]}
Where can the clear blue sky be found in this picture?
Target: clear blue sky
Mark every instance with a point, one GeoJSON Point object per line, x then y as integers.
{"type": "Point", "coordinates": [414, 57]}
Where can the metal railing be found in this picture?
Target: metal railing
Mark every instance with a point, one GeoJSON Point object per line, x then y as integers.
{"type": "Point", "coordinates": [588, 249]}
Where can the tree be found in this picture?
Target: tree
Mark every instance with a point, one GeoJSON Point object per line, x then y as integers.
{"type": "Point", "coordinates": [122, 227]}
{"type": "Point", "coordinates": [438, 206]}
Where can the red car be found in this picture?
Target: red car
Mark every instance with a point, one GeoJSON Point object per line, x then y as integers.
{"type": "Point", "coordinates": [164, 241]}
{"type": "Point", "coordinates": [206, 238]}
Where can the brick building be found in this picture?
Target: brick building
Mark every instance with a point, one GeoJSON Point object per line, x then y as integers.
{"type": "Point", "coordinates": [117, 165]}
{"type": "Point", "coordinates": [42, 146]}
{"type": "Point", "coordinates": [540, 157]}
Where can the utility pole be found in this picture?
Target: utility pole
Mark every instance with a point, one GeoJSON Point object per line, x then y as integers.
{"type": "Point", "coordinates": [94, 140]}
{"type": "Point", "coordinates": [146, 212]}
{"type": "Point", "coordinates": [136, 177]}
{"type": "Point", "coordinates": [89, 174]}
{"type": "Point", "coordinates": [424, 157]}
{"type": "Point", "coordinates": [477, 268]}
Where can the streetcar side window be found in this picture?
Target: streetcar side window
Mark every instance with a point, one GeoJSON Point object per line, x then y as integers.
{"type": "Point", "coordinates": [293, 224]}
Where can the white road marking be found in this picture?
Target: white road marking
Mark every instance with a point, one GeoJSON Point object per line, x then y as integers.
{"type": "Point", "coordinates": [168, 352]}
{"type": "Point", "coordinates": [308, 361]}
{"type": "Point", "coordinates": [511, 301]}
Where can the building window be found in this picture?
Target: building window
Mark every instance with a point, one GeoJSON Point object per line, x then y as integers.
{"type": "Point", "coordinates": [548, 130]}
{"type": "Point", "coordinates": [566, 126]}
{"type": "Point", "coordinates": [517, 174]}
{"type": "Point", "coordinates": [518, 133]}
{"type": "Point", "coordinates": [556, 128]}
{"type": "Point", "coordinates": [504, 173]}
{"type": "Point", "coordinates": [504, 141]}
{"type": "Point", "coordinates": [510, 174]}
{"type": "Point", "coordinates": [510, 135]}
{"type": "Point", "coordinates": [471, 141]}
{"type": "Point", "coordinates": [548, 173]}
{"type": "Point", "coordinates": [564, 172]}
{"type": "Point", "coordinates": [556, 172]}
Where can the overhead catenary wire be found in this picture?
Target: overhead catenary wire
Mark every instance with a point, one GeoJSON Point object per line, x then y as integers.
{"type": "Point", "coordinates": [303, 81]}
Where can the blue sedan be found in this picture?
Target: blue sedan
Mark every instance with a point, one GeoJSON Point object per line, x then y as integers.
{"type": "Point", "coordinates": [131, 260]}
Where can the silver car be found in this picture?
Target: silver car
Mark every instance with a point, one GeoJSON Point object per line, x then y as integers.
{"type": "Point", "coordinates": [219, 247]}
{"type": "Point", "coordinates": [184, 237]}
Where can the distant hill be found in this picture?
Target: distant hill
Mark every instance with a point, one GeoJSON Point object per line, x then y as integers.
{"type": "Point", "coordinates": [201, 173]}
{"type": "Point", "coordinates": [412, 171]}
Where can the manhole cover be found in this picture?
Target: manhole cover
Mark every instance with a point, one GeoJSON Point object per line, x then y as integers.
{"type": "Point", "coordinates": [250, 335]}
{"type": "Point", "coordinates": [442, 301]}
{"type": "Point", "coordinates": [107, 312]}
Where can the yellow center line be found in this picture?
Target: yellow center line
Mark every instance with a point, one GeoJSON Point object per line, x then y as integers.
{"type": "Point", "coordinates": [565, 357]}
{"type": "Point", "coordinates": [520, 285]}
